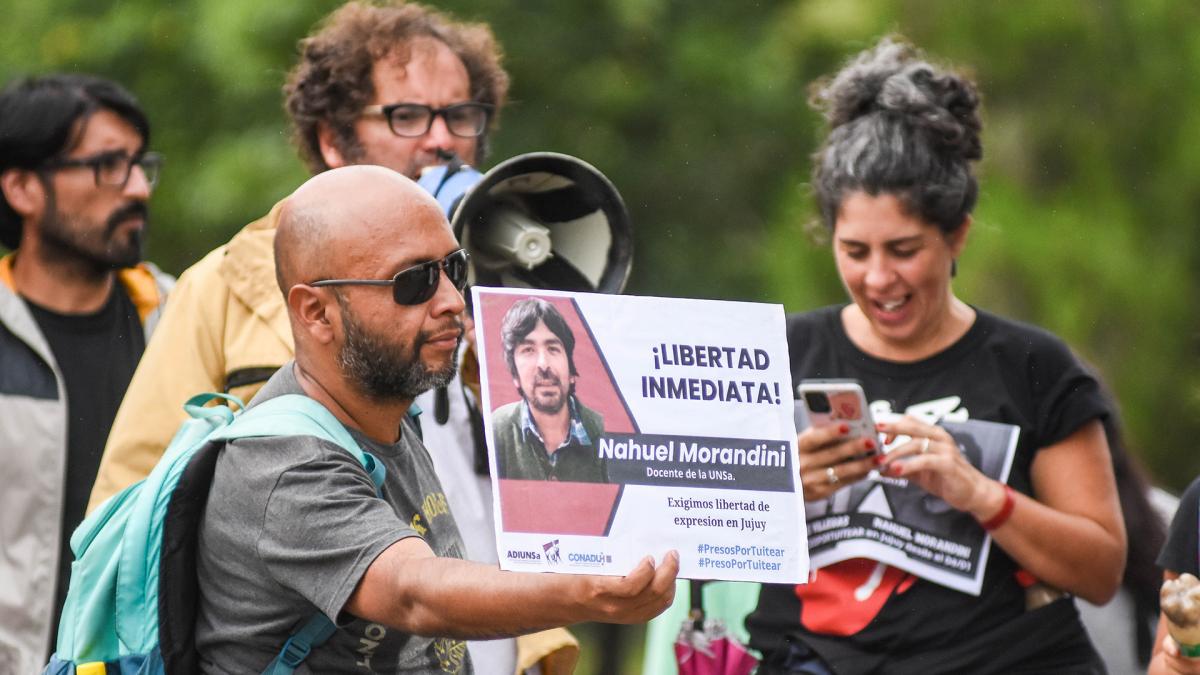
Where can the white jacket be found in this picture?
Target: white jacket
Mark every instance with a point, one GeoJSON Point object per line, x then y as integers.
{"type": "Point", "coordinates": [33, 449]}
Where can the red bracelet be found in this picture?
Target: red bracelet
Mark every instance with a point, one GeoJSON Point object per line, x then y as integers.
{"type": "Point", "coordinates": [1005, 511]}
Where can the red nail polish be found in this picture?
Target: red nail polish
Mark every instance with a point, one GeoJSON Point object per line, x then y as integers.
{"type": "Point", "coordinates": [895, 470]}
{"type": "Point", "coordinates": [844, 428]}
{"type": "Point", "coordinates": [880, 459]}
{"type": "Point", "coordinates": [869, 444]}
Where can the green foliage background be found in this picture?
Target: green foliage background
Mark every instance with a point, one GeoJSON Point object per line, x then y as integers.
{"type": "Point", "coordinates": [697, 112]}
{"type": "Point", "coordinates": [1091, 178]}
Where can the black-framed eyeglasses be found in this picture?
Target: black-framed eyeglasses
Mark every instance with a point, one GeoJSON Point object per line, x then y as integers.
{"type": "Point", "coordinates": [113, 168]}
{"type": "Point", "coordinates": [466, 120]}
{"type": "Point", "coordinates": [418, 283]}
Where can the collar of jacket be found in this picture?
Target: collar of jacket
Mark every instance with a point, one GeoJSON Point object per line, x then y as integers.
{"type": "Point", "coordinates": [249, 270]}
{"type": "Point", "coordinates": [138, 282]}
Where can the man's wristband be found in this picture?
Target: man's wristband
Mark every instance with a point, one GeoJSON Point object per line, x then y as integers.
{"type": "Point", "coordinates": [1005, 512]}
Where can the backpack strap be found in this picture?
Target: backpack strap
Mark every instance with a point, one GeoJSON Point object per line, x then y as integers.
{"type": "Point", "coordinates": [296, 415]}
{"type": "Point", "coordinates": [313, 633]}
{"type": "Point", "coordinates": [197, 406]}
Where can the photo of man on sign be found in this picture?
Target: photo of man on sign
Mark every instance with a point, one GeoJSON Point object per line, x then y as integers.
{"type": "Point", "coordinates": [548, 434]}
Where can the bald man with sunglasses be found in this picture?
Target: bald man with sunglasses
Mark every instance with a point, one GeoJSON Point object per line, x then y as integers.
{"type": "Point", "coordinates": [372, 278]}
{"type": "Point", "coordinates": [397, 85]}
{"type": "Point", "coordinates": [394, 84]}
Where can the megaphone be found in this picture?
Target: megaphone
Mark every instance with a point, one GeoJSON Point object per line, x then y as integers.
{"type": "Point", "coordinates": [538, 220]}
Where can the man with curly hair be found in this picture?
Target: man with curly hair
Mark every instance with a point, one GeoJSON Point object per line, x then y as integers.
{"type": "Point", "coordinates": [398, 85]}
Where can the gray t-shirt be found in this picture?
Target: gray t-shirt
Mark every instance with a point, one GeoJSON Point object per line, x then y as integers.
{"type": "Point", "coordinates": [291, 526]}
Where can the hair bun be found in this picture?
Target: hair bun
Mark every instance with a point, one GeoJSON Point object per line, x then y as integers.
{"type": "Point", "coordinates": [893, 77]}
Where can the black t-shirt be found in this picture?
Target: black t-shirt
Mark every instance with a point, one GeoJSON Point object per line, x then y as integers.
{"type": "Point", "coordinates": [866, 617]}
{"type": "Point", "coordinates": [96, 354]}
{"type": "Point", "coordinates": [1181, 552]}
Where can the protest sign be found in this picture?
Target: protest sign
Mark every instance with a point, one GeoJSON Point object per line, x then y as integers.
{"type": "Point", "coordinates": [895, 521]}
{"type": "Point", "coordinates": [671, 424]}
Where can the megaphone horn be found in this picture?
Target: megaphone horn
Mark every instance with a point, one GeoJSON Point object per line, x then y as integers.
{"type": "Point", "coordinates": [538, 220]}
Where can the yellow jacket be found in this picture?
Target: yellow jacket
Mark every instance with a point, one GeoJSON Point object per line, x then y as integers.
{"type": "Point", "coordinates": [226, 316]}
{"type": "Point", "coordinates": [226, 329]}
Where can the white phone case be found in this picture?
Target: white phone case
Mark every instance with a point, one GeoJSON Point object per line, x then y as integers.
{"type": "Point", "coordinates": [829, 402]}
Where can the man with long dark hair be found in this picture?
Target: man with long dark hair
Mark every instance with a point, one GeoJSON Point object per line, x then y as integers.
{"type": "Point", "coordinates": [76, 306]}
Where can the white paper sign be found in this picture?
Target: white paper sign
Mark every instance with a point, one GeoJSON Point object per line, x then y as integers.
{"type": "Point", "coordinates": [671, 427]}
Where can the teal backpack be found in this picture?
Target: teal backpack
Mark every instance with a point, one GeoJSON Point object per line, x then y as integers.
{"type": "Point", "coordinates": [131, 605]}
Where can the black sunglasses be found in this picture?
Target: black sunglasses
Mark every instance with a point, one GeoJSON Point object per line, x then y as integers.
{"type": "Point", "coordinates": [418, 283]}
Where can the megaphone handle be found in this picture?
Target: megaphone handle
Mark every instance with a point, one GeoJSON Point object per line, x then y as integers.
{"type": "Point", "coordinates": [453, 166]}
{"type": "Point", "coordinates": [441, 404]}
{"type": "Point", "coordinates": [478, 435]}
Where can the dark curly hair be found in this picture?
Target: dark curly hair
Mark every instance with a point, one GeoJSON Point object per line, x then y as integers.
{"type": "Point", "coordinates": [332, 82]}
{"type": "Point", "coordinates": [900, 126]}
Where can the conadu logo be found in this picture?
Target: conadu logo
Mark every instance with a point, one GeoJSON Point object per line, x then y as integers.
{"type": "Point", "coordinates": [592, 559]}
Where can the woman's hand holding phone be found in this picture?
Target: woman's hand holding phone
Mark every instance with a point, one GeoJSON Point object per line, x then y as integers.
{"type": "Point", "coordinates": [830, 459]}
{"type": "Point", "coordinates": [840, 445]}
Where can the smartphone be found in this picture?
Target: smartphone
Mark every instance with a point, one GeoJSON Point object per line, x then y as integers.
{"type": "Point", "coordinates": [830, 402]}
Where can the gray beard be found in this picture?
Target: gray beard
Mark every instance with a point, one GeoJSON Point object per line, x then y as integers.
{"type": "Point", "coordinates": [387, 372]}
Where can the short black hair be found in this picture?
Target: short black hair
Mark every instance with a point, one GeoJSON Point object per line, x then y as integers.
{"type": "Point", "coordinates": [523, 317]}
{"type": "Point", "coordinates": [40, 120]}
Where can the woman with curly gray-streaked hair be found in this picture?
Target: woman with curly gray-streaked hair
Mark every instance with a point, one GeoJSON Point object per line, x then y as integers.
{"type": "Point", "coordinates": [896, 189]}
